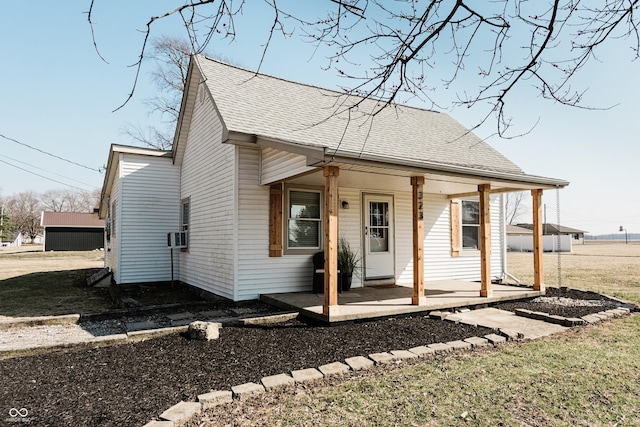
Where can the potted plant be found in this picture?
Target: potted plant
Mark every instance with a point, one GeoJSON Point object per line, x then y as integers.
{"type": "Point", "coordinates": [348, 262]}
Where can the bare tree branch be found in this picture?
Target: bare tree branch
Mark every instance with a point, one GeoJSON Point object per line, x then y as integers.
{"type": "Point", "coordinates": [485, 52]}
{"type": "Point", "coordinates": [93, 34]}
{"type": "Point", "coordinates": [514, 206]}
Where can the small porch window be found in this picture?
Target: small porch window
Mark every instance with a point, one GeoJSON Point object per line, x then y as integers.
{"type": "Point", "coordinates": [303, 220]}
{"type": "Point", "coordinates": [184, 220]}
{"type": "Point", "coordinates": [470, 224]}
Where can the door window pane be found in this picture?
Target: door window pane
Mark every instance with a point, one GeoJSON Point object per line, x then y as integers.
{"type": "Point", "coordinates": [378, 226]}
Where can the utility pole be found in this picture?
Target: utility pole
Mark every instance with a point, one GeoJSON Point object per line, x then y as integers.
{"type": "Point", "coordinates": [626, 235]}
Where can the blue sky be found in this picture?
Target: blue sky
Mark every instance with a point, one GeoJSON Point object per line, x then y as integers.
{"type": "Point", "coordinates": [58, 95]}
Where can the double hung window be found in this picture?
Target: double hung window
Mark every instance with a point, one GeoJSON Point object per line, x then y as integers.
{"type": "Point", "coordinates": [470, 224]}
{"type": "Point", "coordinates": [303, 219]}
{"type": "Point", "coordinates": [184, 222]}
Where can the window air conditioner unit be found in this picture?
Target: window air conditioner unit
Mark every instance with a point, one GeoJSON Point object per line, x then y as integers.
{"type": "Point", "coordinates": [177, 239]}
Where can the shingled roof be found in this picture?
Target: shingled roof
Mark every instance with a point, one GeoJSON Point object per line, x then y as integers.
{"type": "Point", "coordinates": [278, 109]}
{"type": "Point", "coordinates": [554, 229]}
{"type": "Point", "coordinates": [71, 219]}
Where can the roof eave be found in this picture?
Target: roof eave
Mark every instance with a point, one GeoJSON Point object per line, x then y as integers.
{"type": "Point", "coordinates": [443, 169]}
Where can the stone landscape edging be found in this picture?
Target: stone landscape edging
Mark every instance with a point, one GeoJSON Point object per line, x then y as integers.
{"type": "Point", "coordinates": [183, 412]}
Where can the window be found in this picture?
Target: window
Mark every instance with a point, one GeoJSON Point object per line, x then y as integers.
{"type": "Point", "coordinates": [108, 221]}
{"type": "Point", "coordinates": [379, 226]}
{"type": "Point", "coordinates": [113, 217]}
{"type": "Point", "coordinates": [470, 224]}
{"type": "Point", "coordinates": [184, 221]}
{"type": "Point", "coordinates": [303, 219]}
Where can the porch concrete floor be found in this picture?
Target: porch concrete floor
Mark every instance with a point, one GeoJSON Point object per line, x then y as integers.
{"type": "Point", "coordinates": [371, 302]}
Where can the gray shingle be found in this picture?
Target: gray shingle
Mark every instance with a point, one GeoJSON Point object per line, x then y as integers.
{"type": "Point", "coordinates": [274, 108]}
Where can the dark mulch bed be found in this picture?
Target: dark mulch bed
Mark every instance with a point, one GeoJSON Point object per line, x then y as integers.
{"type": "Point", "coordinates": [131, 384]}
{"type": "Point", "coordinates": [563, 302]}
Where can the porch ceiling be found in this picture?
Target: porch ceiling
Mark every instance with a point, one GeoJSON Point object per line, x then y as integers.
{"type": "Point", "coordinates": [388, 179]}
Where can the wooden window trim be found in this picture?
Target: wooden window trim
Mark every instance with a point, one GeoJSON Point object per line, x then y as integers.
{"type": "Point", "coordinates": [275, 220]}
{"type": "Point", "coordinates": [455, 207]}
{"type": "Point", "coordinates": [455, 211]}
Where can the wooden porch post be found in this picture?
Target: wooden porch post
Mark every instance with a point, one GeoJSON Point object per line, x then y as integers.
{"type": "Point", "coordinates": [538, 245]}
{"type": "Point", "coordinates": [330, 239]}
{"type": "Point", "coordinates": [485, 240]}
{"type": "Point", "coordinates": [417, 182]}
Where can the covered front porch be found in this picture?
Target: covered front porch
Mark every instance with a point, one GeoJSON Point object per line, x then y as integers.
{"type": "Point", "coordinates": [373, 301]}
{"type": "Point", "coordinates": [369, 301]}
{"type": "Point", "coordinates": [410, 221]}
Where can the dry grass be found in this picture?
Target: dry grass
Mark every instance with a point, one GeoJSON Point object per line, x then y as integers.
{"type": "Point", "coordinates": [611, 269]}
{"type": "Point", "coordinates": [23, 260]}
{"type": "Point", "coordinates": [36, 283]}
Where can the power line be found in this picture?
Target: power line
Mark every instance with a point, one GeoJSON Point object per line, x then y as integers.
{"type": "Point", "coordinates": [49, 154]}
{"type": "Point", "coordinates": [44, 170]}
{"type": "Point", "coordinates": [42, 176]}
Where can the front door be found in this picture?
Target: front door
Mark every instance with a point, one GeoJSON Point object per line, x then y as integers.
{"type": "Point", "coordinates": [379, 253]}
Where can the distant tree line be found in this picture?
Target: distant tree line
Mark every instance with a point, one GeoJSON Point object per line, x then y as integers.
{"type": "Point", "coordinates": [22, 212]}
{"type": "Point", "coordinates": [613, 236]}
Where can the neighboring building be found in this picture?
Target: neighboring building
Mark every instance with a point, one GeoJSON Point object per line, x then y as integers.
{"type": "Point", "coordinates": [258, 161]}
{"type": "Point", "coordinates": [72, 231]}
{"type": "Point", "coordinates": [559, 230]}
{"type": "Point", "coordinates": [14, 240]}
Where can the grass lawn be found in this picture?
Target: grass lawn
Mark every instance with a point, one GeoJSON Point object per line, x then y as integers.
{"type": "Point", "coordinates": [611, 269]}
{"type": "Point", "coordinates": [588, 376]}
{"type": "Point", "coordinates": [584, 377]}
{"type": "Point", "coordinates": [36, 283]}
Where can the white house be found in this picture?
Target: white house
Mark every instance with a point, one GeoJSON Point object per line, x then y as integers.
{"type": "Point", "coordinates": [14, 240]}
{"type": "Point", "coordinates": [265, 172]}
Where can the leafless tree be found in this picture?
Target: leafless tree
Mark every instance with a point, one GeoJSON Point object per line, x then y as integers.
{"type": "Point", "coordinates": [514, 206]}
{"type": "Point", "coordinates": [68, 200]}
{"type": "Point", "coordinates": [444, 52]}
{"type": "Point", "coordinates": [171, 56]}
{"type": "Point", "coordinates": [24, 209]}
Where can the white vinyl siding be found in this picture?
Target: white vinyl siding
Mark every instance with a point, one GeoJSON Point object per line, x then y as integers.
{"type": "Point", "coordinates": [438, 262]}
{"type": "Point", "coordinates": [350, 224]}
{"type": "Point", "coordinates": [277, 165]}
{"type": "Point", "coordinates": [147, 210]}
{"type": "Point", "coordinates": [208, 180]}
{"type": "Point", "coordinates": [257, 272]}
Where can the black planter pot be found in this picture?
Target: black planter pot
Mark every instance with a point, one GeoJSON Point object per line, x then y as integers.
{"type": "Point", "coordinates": [346, 281]}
